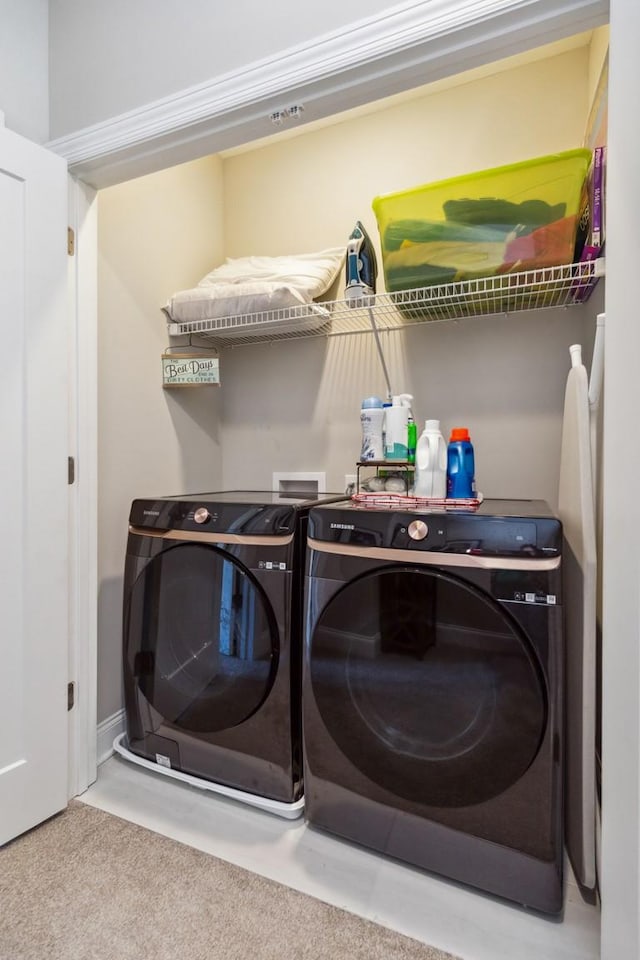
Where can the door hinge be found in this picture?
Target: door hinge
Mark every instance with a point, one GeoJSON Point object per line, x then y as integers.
{"type": "Point", "coordinates": [71, 470]}
{"type": "Point", "coordinates": [71, 241]}
{"type": "Point", "coordinates": [71, 695]}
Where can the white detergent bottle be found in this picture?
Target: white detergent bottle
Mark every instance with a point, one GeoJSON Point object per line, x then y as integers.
{"type": "Point", "coordinates": [396, 418]}
{"type": "Point", "coordinates": [431, 462]}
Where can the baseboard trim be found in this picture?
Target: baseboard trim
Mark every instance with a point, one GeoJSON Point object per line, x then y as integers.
{"type": "Point", "coordinates": [108, 730]}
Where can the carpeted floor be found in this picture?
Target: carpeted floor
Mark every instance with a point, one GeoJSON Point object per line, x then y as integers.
{"type": "Point", "coordinates": [89, 886]}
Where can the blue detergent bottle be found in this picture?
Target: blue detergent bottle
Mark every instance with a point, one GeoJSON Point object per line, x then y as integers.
{"type": "Point", "coordinates": [461, 472]}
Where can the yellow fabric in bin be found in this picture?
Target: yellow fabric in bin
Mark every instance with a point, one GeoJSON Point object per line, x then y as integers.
{"type": "Point", "coordinates": [464, 220]}
{"type": "Point", "coordinates": [475, 258]}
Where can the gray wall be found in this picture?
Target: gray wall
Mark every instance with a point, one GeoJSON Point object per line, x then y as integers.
{"type": "Point", "coordinates": [108, 58]}
{"type": "Point", "coordinates": [295, 405]}
{"type": "Point", "coordinates": [24, 84]}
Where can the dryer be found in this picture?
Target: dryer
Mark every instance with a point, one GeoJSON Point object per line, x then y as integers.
{"type": "Point", "coordinates": [212, 634]}
{"type": "Point", "coordinates": [432, 690]}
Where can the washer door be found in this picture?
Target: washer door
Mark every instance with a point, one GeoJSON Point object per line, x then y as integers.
{"type": "Point", "coordinates": [200, 638]}
{"type": "Point", "coordinates": [428, 686]}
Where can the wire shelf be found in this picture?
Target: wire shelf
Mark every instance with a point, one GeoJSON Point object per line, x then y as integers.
{"type": "Point", "coordinates": [542, 289]}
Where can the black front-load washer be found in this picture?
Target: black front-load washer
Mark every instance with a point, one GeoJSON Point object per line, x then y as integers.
{"type": "Point", "coordinates": [432, 690]}
{"type": "Point", "coordinates": [212, 639]}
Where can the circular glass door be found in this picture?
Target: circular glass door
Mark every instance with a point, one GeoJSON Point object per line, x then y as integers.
{"type": "Point", "coordinates": [428, 686]}
{"type": "Point", "coordinates": [201, 639]}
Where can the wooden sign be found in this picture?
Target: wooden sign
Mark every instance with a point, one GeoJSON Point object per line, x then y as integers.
{"type": "Point", "coordinates": [190, 370]}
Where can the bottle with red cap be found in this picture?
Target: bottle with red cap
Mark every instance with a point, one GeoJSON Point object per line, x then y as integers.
{"type": "Point", "coordinates": [461, 473]}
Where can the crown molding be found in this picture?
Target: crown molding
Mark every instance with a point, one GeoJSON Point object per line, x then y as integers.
{"type": "Point", "coordinates": [406, 46]}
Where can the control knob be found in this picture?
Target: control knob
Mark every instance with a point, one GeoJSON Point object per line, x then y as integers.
{"type": "Point", "coordinates": [418, 529]}
{"type": "Point", "coordinates": [201, 515]}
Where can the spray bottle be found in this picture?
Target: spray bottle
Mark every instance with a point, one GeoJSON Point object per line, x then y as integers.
{"type": "Point", "coordinates": [396, 421]}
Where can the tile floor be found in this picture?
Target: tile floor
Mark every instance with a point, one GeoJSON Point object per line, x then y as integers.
{"type": "Point", "coordinates": [435, 911]}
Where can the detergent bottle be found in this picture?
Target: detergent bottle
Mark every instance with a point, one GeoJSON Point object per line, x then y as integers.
{"type": "Point", "coordinates": [461, 479]}
{"type": "Point", "coordinates": [431, 462]}
{"type": "Point", "coordinates": [371, 420]}
{"type": "Point", "coordinates": [396, 421]}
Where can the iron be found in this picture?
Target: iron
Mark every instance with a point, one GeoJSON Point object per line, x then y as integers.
{"type": "Point", "coordinates": [362, 266]}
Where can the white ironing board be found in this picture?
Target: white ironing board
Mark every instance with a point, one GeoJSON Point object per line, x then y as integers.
{"type": "Point", "coordinates": [577, 510]}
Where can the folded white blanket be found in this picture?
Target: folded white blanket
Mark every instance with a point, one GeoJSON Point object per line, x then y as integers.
{"type": "Point", "coordinates": [310, 273]}
{"type": "Point", "coordinates": [231, 300]}
{"type": "Point", "coordinates": [257, 285]}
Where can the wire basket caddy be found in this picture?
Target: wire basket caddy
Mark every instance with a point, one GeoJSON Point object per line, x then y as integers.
{"type": "Point", "coordinates": [400, 501]}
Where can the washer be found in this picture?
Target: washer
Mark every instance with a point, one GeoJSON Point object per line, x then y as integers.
{"type": "Point", "coordinates": [212, 642]}
{"type": "Point", "coordinates": [432, 690]}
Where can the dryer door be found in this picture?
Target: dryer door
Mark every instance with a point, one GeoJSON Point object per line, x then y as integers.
{"type": "Point", "coordinates": [428, 686]}
{"type": "Point", "coordinates": [201, 640]}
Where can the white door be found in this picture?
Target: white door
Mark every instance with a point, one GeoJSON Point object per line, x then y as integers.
{"type": "Point", "coordinates": [33, 484]}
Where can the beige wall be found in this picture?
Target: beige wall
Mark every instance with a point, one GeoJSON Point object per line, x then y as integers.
{"type": "Point", "coordinates": [598, 49]}
{"type": "Point", "coordinates": [294, 405]}
{"type": "Point", "coordinates": [305, 193]}
{"type": "Point", "coordinates": [156, 235]}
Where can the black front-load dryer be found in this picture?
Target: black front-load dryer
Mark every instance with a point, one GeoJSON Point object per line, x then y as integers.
{"type": "Point", "coordinates": [212, 639]}
{"type": "Point", "coordinates": [432, 690]}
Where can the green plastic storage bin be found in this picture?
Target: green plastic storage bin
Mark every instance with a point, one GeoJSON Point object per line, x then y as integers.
{"type": "Point", "coordinates": [519, 217]}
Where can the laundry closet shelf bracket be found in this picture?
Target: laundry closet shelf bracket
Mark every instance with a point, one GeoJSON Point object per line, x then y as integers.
{"type": "Point", "coordinates": [542, 289]}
